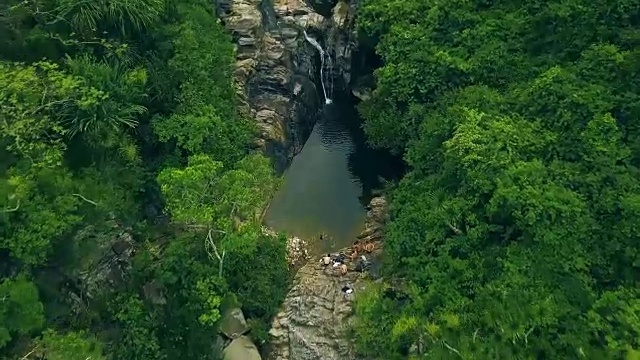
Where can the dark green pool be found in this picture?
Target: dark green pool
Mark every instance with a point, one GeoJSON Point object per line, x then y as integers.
{"type": "Point", "coordinates": [330, 181]}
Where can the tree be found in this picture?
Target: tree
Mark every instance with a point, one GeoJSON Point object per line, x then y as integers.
{"type": "Point", "coordinates": [138, 340]}
{"type": "Point", "coordinates": [70, 346]}
{"type": "Point", "coordinates": [512, 233]}
{"type": "Point", "coordinates": [21, 311]}
{"type": "Point", "coordinates": [202, 194]}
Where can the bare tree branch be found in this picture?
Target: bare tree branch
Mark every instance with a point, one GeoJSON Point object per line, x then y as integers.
{"type": "Point", "coordinates": [194, 226]}
{"type": "Point", "coordinates": [454, 229]}
{"type": "Point", "coordinates": [450, 348]}
{"type": "Point", "coordinates": [85, 199]}
{"type": "Point", "coordinates": [211, 246]}
{"type": "Point", "coordinates": [43, 106]}
{"type": "Point", "coordinates": [526, 335]}
{"type": "Point", "coordinates": [29, 353]}
{"type": "Point", "coordinates": [12, 209]}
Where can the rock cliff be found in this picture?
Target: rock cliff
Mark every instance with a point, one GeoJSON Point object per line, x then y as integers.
{"type": "Point", "coordinates": [315, 314]}
{"type": "Point", "coordinates": [277, 71]}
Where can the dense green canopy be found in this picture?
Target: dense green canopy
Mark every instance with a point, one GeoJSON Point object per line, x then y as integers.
{"type": "Point", "coordinates": [114, 114]}
{"type": "Point", "coordinates": [515, 234]}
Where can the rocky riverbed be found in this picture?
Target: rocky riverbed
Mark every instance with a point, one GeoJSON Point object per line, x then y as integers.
{"type": "Point", "coordinates": [315, 314]}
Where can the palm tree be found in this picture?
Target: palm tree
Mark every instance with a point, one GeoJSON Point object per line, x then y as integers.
{"type": "Point", "coordinates": [90, 16]}
{"type": "Point", "coordinates": [118, 91]}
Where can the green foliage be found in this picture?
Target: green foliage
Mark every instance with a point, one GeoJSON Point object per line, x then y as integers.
{"type": "Point", "coordinates": [375, 318]}
{"type": "Point", "coordinates": [138, 340]}
{"type": "Point", "coordinates": [202, 193]}
{"type": "Point", "coordinates": [512, 232]}
{"type": "Point", "coordinates": [69, 346]}
{"type": "Point", "coordinates": [21, 311]}
{"type": "Point", "coordinates": [188, 321]}
{"type": "Point", "coordinates": [120, 109]}
{"type": "Point", "coordinates": [43, 210]}
{"type": "Point", "coordinates": [257, 271]}
{"type": "Point", "coordinates": [110, 110]}
{"type": "Point", "coordinates": [206, 290]}
{"type": "Point", "coordinates": [102, 15]}
{"type": "Point", "coordinates": [190, 192]}
{"type": "Point", "coordinates": [31, 98]}
{"type": "Point", "coordinates": [206, 119]}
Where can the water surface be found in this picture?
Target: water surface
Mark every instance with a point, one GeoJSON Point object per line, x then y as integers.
{"type": "Point", "coordinates": [329, 182]}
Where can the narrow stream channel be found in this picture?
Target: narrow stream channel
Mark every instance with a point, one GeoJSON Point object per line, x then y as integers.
{"type": "Point", "coordinates": [330, 181]}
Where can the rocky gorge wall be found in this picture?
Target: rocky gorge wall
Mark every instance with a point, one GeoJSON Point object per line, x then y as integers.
{"type": "Point", "coordinates": [277, 71]}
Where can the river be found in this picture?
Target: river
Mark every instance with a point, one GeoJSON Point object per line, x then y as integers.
{"type": "Point", "coordinates": [330, 181]}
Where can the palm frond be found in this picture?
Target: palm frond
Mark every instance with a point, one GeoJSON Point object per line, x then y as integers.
{"type": "Point", "coordinates": [88, 16]}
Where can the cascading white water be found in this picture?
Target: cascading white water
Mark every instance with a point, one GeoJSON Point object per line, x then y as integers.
{"type": "Point", "coordinates": [315, 44]}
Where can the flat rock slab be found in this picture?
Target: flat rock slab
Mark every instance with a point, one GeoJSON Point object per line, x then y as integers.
{"type": "Point", "coordinates": [314, 316]}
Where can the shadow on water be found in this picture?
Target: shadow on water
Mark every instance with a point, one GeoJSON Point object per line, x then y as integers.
{"type": "Point", "coordinates": [330, 181]}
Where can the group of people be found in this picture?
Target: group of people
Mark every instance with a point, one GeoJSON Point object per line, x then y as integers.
{"type": "Point", "coordinates": [336, 261]}
{"type": "Point", "coordinates": [357, 250]}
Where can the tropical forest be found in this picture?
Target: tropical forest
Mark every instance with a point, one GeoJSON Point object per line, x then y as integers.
{"type": "Point", "coordinates": [142, 145]}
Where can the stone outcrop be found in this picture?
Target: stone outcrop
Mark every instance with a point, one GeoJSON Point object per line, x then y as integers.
{"type": "Point", "coordinates": [234, 324]}
{"type": "Point", "coordinates": [271, 63]}
{"type": "Point", "coordinates": [109, 263]}
{"type": "Point", "coordinates": [377, 216]}
{"type": "Point", "coordinates": [315, 314]}
{"type": "Point", "coordinates": [342, 40]}
{"type": "Point", "coordinates": [297, 249]}
{"type": "Point", "coordinates": [241, 348]}
{"type": "Point", "coordinates": [277, 72]}
{"type": "Point", "coordinates": [234, 343]}
{"type": "Point", "coordinates": [363, 86]}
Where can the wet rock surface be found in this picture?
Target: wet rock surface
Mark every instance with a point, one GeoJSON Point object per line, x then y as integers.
{"type": "Point", "coordinates": [316, 312]}
{"type": "Point", "coordinates": [277, 72]}
{"type": "Point", "coordinates": [297, 249]}
{"type": "Point", "coordinates": [342, 40]}
{"type": "Point", "coordinates": [377, 217]}
{"type": "Point", "coordinates": [269, 54]}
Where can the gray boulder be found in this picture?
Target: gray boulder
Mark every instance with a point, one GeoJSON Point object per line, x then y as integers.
{"type": "Point", "coordinates": [241, 348]}
{"type": "Point", "coordinates": [233, 324]}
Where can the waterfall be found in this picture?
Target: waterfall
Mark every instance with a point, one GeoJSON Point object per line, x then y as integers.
{"type": "Point", "coordinates": [315, 44]}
